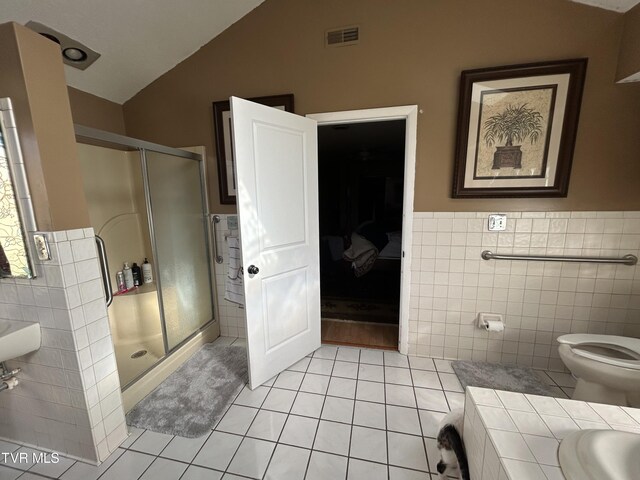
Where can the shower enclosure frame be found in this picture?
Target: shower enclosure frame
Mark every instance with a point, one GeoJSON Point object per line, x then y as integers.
{"type": "Point", "coordinates": [109, 139]}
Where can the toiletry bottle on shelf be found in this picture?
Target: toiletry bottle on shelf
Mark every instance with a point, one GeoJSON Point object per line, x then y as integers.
{"type": "Point", "coordinates": [147, 273]}
{"type": "Point", "coordinates": [120, 281]}
{"type": "Point", "coordinates": [137, 274]}
{"type": "Point", "coordinates": [128, 276]}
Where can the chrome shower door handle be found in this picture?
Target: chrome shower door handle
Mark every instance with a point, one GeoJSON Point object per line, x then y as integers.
{"type": "Point", "coordinates": [104, 270]}
{"type": "Point", "coordinates": [215, 219]}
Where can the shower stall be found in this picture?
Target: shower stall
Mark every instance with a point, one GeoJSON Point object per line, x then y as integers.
{"type": "Point", "coordinates": [148, 201]}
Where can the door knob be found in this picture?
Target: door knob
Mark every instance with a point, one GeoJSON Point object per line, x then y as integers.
{"type": "Point", "coordinates": [253, 269]}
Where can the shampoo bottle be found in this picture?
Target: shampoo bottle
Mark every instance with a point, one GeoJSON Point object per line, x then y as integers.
{"type": "Point", "coordinates": [137, 274]}
{"type": "Point", "coordinates": [120, 280]}
{"type": "Point", "coordinates": [147, 273]}
{"type": "Point", "coordinates": [128, 276]}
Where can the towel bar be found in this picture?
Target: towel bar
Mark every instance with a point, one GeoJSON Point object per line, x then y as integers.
{"type": "Point", "coordinates": [626, 260]}
{"type": "Point", "coordinates": [215, 219]}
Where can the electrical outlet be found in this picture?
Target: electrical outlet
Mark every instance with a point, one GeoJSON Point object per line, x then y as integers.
{"type": "Point", "coordinates": [497, 222]}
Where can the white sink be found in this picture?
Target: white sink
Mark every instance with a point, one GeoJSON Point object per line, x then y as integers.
{"type": "Point", "coordinates": [18, 338]}
{"type": "Point", "coordinates": [600, 455]}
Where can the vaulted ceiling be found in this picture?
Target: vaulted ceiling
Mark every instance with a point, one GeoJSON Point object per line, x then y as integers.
{"type": "Point", "coordinates": [615, 5]}
{"type": "Point", "coordinates": [139, 40]}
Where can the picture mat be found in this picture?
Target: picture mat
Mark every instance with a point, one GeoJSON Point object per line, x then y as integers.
{"type": "Point", "coordinates": [534, 154]}
{"type": "Point", "coordinates": [562, 82]}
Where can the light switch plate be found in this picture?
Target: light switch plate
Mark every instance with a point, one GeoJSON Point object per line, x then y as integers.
{"type": "Point", "coordinates": [232, 222]}
{"type": "Point", "coordinates": [497, 222]}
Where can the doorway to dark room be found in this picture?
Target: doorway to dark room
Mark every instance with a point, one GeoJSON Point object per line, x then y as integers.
{"type": "Point", "coordinates": [361, 189]}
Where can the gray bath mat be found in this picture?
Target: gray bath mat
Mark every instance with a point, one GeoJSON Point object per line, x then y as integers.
{"type": "Point", "coordinates": [194, 397]}
{"type": "Point", "coordinates": [513, 378]}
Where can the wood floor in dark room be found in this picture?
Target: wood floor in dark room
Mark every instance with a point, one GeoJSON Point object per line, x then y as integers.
{"type": "Point", "coordinates": [360, 334]}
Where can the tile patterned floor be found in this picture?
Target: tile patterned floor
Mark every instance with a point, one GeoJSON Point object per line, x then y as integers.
{"type": "Point", "coordinates": [342, 413]}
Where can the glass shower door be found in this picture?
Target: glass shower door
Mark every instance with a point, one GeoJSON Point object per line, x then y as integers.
{"type": "Point", "coordinates": [181, 243]}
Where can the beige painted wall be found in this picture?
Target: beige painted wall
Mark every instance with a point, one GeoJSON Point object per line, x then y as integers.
{"type": "Point", "coordinates": [92, 111]}
{"type": "Point", "coordinates": [12, 85]}
{"type": "Point", "coordinates": [411, 52]}
{"type": "Point", "coordinates": [32, 75]}
{"type": "Point", "coordinates": [629, 57]}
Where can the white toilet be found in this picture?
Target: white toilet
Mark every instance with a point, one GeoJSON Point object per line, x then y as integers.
{"type": "Point", "coordinates": [607, 367]}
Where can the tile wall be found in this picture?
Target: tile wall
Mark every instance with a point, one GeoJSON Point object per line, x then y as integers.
{"type": "Point", "coordinates": [230, 315]}
{"type": "Point", "coordinates": [450, 283]}
{"type": "Point", "coordinates": [69, 397]}
{"type": "Point", "coordinates": [511, 436]}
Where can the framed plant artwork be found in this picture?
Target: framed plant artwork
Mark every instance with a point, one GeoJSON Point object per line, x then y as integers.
{"type": "Point", "coordinates": [517, 129]}
{"type": "Point", "coordinates": [224, 145]}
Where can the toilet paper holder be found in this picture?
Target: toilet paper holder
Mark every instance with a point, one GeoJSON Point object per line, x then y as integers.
{"type": "Point", "coordinates": [491, 322]}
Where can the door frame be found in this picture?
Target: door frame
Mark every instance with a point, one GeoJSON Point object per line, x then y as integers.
{"type": "Point", "coordinates": [409, 113]}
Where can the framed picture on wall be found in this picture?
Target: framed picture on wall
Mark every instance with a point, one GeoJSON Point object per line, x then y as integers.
{"type": "Point", "coordinates": [517, 129]}
{"type": "Point", "coordinates": [224, 150]}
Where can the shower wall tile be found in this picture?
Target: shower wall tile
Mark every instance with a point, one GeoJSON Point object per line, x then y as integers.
{"type": "Point", "coordinates": [540, 301]}
{"type": "Point", "coordinates": [230, 315]}
{"type": "Point", "coordinates": [69, 397]}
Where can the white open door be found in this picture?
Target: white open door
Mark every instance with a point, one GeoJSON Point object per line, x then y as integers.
{"type": "Point", "coordinates": [277, 194]}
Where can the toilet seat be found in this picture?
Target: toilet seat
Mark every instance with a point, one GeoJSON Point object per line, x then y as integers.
{"type": "Point", "coordinates": [627, 345]}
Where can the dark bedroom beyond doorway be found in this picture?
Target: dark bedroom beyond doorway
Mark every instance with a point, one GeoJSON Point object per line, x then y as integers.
{"type": "Point", "coordinates": [361, 187]}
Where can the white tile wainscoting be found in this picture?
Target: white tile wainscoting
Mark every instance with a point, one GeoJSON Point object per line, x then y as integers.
{"type": "Point", "coordinates": [511, 436]}
{"type": "Point", "coordinates": [540, 300]}
{"type": "Point", "coordinates": [69, 398]}
{"type": "Point", "coordinates": [230, 315]}
{"type": "Point", "coordinates": [450, 283]}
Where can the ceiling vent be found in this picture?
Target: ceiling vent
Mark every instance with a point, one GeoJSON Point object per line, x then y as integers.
{"type": "Point", "coordinates": [341, 37]}
{"type": "Point", "coordinates": [74, 53]}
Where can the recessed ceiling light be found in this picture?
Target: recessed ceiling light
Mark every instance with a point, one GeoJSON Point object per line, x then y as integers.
{"type": "Point", "coordinates": [74, 54]}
